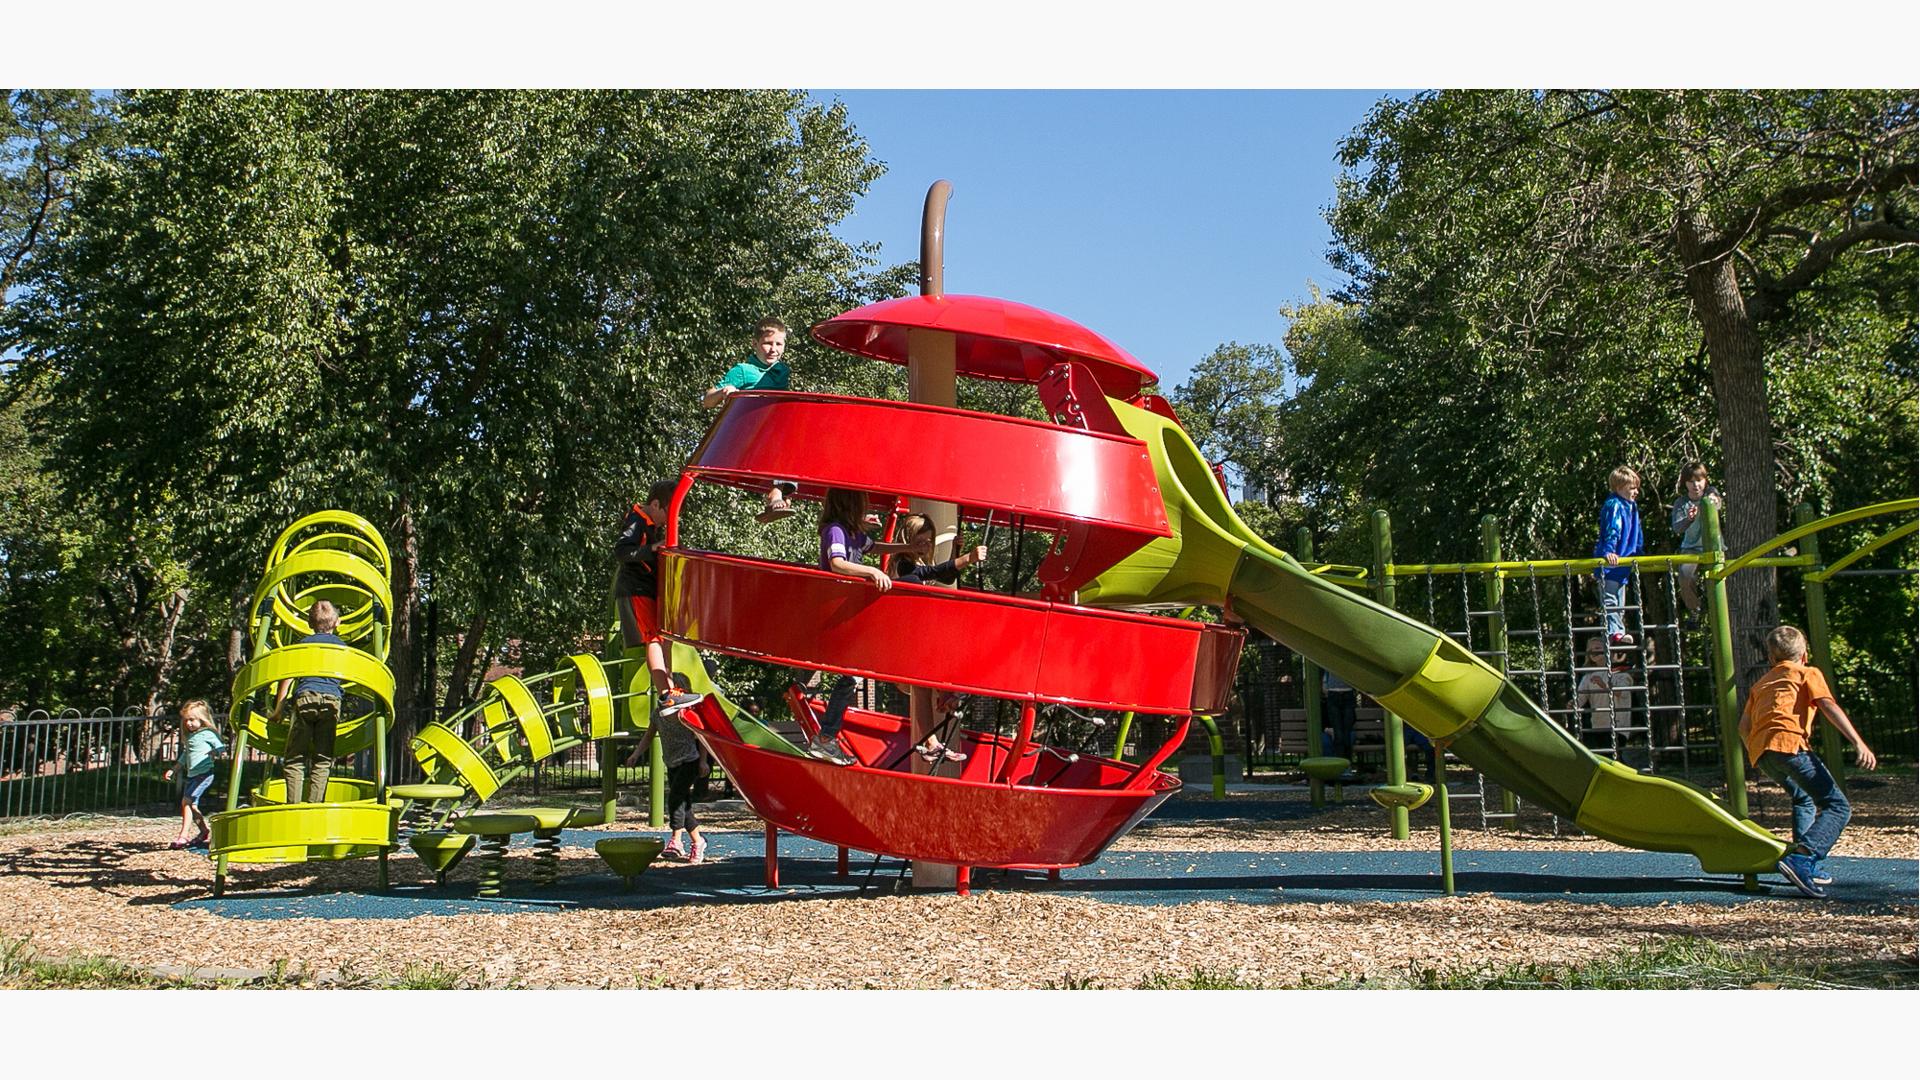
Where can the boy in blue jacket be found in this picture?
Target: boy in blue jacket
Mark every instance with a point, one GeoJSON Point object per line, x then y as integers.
{"type": "Point", "coordinates": [1619, 539]}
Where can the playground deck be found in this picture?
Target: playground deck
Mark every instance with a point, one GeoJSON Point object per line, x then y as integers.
{"type": "Point", "coordinates": [1260, 885]}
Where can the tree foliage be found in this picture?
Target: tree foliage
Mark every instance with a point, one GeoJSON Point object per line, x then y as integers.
{"type": "Point", "coordinates": [1680, 239]}
{"type": "Point", "coordinates": [1545, 285]}
{"type": "Point", "coordinates": [479, 319]}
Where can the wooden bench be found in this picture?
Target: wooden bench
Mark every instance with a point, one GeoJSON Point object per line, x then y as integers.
{"type": "Point", "coordinates": [1369, 734]}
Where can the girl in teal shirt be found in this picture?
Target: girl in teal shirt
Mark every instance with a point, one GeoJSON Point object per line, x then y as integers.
{"type": "Point", "coordinates": [198, 744]}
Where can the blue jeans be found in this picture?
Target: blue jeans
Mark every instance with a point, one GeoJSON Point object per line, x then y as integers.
{"type": "Point", "coordinates": [1820, 808]}
{"type": "Point", "coordinates": [839, 697]}
{"type": "Point", "coordinates": [1613, 597]}
{"type": "Point", "coordinates": [1340, 716]}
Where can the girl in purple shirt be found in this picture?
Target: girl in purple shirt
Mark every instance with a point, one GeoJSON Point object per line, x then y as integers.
{"type": "Point", "coordinates": [843, 542]}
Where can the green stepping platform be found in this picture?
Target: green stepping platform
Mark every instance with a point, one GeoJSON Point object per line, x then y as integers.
{"type": "Point", "coordinates": [1328, 770]}
{"type": "Point", "coordinates": [1408, 796]}
{"type": "Point", "coordinates": [426, 792]}
{"type": "Point", "coordinates": [628, 856]}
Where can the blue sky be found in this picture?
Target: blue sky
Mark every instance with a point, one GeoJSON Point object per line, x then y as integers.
{"type": "Point", "coordinates": [1170, 221]}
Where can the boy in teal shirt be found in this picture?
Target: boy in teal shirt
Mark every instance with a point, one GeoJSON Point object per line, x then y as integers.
{"type": "Point", "coordinates": [763, 369]}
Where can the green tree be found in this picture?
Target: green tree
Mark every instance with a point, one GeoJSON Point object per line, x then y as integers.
{"type": "Point", "coordinates": [473, 317]}
{"type": "Point", "coordinates": [1641, 235]}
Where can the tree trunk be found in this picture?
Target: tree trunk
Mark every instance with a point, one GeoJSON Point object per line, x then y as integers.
{"type": "Point", "coordinates": [1746, 438]}
{"type": "Point", "coordinates": [175, 606]}
{"type": "Point", "coordinates": [403, 647]}
{"type": "Point", "coordinates": [237, 628]}
{"type": "Point", "coordinates": [463, 661]}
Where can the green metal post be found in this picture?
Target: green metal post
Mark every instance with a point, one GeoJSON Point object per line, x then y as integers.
{"type": "Point", "coordinates": [1819, 645]}
{"type": "Point", "coordinates": [656, 754]}
{"type": "Point", "coordinates": [1446, 819]}
{"type": "Point", "coordinates": [1725, 694]}
{"type": "Point", "coordinates": [1726, 698]}
{"type": "Point", "coordinates": [1219, 751]}
{"type": "Point", "coordinates": [1395, 735]}
{"type": "Point", "coordinates": [1120, 738]}
{"type": "Point", "coordinates": [656, 783]}
{"type": "Point", "coordinates": [1310, 687]}
{"type": "Point", "coordinates": [1497, 630]}
{"type": "Point", "coordinates": [609, 780]}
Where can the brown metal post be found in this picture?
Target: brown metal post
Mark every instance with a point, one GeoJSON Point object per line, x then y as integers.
{"type": "Point", "coordinates": [932, 380]}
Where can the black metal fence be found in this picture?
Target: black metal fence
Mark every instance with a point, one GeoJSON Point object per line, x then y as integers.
{"type": "Point", "coordinates": [52, 765]}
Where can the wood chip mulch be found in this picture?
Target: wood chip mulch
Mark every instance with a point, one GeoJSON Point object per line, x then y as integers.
{"type": "Point", "coordinates": [106, 888]}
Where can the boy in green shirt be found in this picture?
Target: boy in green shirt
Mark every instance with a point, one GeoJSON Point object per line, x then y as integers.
{"type": "Point", "coordinates": [763, 369]}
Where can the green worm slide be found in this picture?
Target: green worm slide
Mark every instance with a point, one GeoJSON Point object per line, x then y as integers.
{"type": "Point", "coordinates": [1422, 675]}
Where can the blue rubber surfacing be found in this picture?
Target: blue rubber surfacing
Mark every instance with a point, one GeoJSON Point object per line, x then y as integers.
{"type": "Point", "coordinates": [735, 874]}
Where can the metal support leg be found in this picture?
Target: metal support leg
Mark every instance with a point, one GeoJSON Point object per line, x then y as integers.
{"type": "Point", "coordinates": [963, 880]}
{"type": "Point", "coordinates": [773, 855]}
{"type": "Point", "coordinates": [840, 863]}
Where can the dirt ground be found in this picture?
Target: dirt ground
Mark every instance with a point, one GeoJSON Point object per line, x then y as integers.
{"type": "Point", "coordinates": [106, 887]}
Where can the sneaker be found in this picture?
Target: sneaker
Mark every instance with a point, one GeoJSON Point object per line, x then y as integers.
{"type": "Point", "coordinates": [1798, 870]}
{"type": "Point", "coordinates": [933, 752]}
{"type": "Point", "coordinates": [828, 749]}
{"type": "Point", "coordinates": [1620, 641]}
{"type": "Point", "coordinates": [177, 845]}
{"type": "Point", "coordinates": [699, 851]}
{"type": "Point", "coordinates": [673, 850]}
{"type": "Point", "coordinates": [674, 702]}
{"type": "Point", "coordinates": [1821, 875]}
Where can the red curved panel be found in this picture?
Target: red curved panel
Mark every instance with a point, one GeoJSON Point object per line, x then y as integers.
{"type": "Point", "coordinates": [931, 818]}
{"type": "Point", "coordinates": [1050, 475]}
{"type": "Point", "coordinates": [993, 339]}
{"type": "Point", "coordinates": [981, 643]}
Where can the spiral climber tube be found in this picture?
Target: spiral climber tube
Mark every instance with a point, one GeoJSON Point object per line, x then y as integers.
{"type": "Point", "coordinates": [340, 557]}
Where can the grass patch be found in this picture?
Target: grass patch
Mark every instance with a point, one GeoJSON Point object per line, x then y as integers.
{"type": "Point", "coordinates": [1682, 964]}
{"type": "Point", "coordinates": [433, 976]}
{"type": "Point", "coordinates": [1668, 964]}
{"type": "Point", "coordinates": [21, 970]}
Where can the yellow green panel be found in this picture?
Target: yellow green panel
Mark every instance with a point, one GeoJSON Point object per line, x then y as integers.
{"type": "Point", "coordinates": [526, 712]}
{"type": "Point", "coordinates": [302, 832]}
{"type": "Point", "coordinates": [365, 677]}
{"type": "Point", "coordinates": [340, 789]}
{"type": "Point", "coordinates": [366, 580]}
{"type": "Point", "coordinates": [437, 743]}
{"type": "Point", "coordinates": [493, 714]}
{"type": "Point", "coordinates": [686, 661]}
{"type": "Point", "coordinates": [640, 690]}
{"type": "Point", "coordinates": [354, 523]}
{"type": "Point", "coordinates": [590, 678]}
{"type": "Point", "coordinates": [1448, 692]}
{"type": "Point", "coordinates": [1656, 814]}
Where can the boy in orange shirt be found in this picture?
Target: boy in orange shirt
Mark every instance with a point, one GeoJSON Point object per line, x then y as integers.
{"type": "Point", "coordinates": [1777, 726]}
